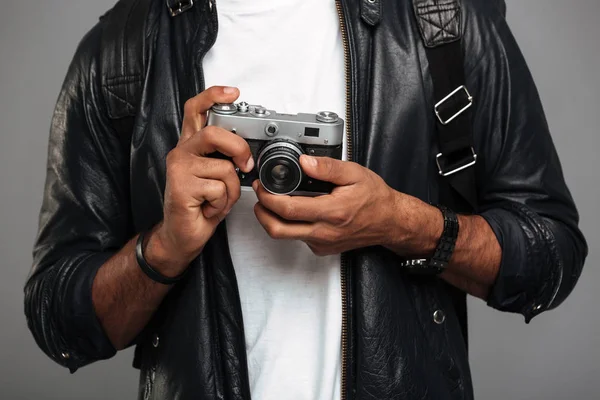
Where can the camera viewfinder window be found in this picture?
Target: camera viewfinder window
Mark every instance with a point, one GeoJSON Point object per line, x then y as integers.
{"type": "Point", "coordinates": [313, 132]}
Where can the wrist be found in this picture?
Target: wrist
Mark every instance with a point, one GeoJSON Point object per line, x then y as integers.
{"type": "Point", "coordinates": [432, 228]}
{"type": "Point", "coordinates": [161, 255]}
{"type": "Point", "coordinates": [417, 227]}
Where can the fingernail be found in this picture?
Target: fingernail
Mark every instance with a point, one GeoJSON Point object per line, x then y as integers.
{"type": "Point", "coordinates": [311, 161]}
{"type": "Point", "coordinates": [229, 90]}
{"type": "Point", "coordinates": [250, 164]}
{"type": "Point", "coordinates": [255, 185]}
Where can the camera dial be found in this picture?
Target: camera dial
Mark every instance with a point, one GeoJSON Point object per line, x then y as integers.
{"type": "Point", "coordinates": [260, 111]}
{"type": "Point", "coordinates": [243, 107]}
{"type": "Point", "coordinates": [224, 108]}
{"type": "Point", "coordinates": [327, 117]}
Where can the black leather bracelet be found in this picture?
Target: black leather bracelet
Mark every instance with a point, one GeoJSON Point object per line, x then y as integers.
{"type": "Point", "coordinates": [443, 252]}
{"type": "Point", "coordinates": [148, 270]}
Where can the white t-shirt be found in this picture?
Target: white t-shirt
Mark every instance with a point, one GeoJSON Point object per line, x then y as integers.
{"type": "Point", "coordinates": [286, 55]}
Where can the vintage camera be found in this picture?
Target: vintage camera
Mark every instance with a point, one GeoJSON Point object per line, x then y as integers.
{"type": "Point", "coordinates": [278, 140]}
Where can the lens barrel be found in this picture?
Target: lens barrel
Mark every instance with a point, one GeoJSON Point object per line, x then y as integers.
{"type": "Point", "coordinates": [279, 168]}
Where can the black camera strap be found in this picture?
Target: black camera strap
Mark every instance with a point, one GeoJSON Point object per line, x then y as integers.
{"type": "Point", "coordinates": [457, 157]}
{"type": "Point", "coordinates": [441, 29]}
{"type": "Point", "coordinates": [440, 25]}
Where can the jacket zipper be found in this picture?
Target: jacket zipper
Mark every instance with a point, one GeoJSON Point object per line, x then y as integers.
{"type": "Point", "coordinates": [344, 258]}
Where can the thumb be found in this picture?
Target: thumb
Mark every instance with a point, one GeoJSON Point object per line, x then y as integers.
{"type": "Point", "coordinates": [340, 173]}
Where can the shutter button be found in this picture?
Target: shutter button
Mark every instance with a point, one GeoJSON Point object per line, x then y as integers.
{"type": "Point", "coordinates": [260, 111]}
{"type": "Point", "coordinates": [155, 341]}
{"type": "Point", "coordinates": [439, 317]}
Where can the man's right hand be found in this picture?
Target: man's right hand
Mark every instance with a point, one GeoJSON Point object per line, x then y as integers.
{"type": "Point", "coordinates": [200, 191]}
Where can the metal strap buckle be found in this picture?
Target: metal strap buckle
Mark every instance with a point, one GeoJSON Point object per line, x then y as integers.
{"type": "Point", "coordinates": [457, 167]}
{"type": "Point", "coordinates": [180, 7]}
{"type": "Point", "coordinates": [445, 99]}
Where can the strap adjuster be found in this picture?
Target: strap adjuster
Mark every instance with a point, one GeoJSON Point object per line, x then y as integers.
{"type": "Point", "coordinates": [180, 7]}
{"type": "Point", "coordinates": [469, 99]}
{"type": "Point", "coordinates": [447, 169]}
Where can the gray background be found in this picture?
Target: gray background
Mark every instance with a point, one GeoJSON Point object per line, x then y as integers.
{"type": "Point", "coordinates": [555, 357]}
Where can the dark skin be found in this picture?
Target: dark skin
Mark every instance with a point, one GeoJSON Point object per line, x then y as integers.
{"type": "Point", "coordinates": [364, 211]}
{"type": "Point", "coordinates": [200, 191]}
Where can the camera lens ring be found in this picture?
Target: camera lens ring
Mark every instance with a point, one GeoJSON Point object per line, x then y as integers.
{"type": "Point", "coordinates": [280, 153]}
{"type": "Point", "coordinates": [271, 185]}
{"type": "Point", "coordinates": [279, 143]}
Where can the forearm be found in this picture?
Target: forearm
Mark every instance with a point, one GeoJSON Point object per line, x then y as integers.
{"type": "Point", "coordinates": [124, 297]}
{"type": "Point", "coordinates": [477, 256]}
{"type": "Point", "coordinates": [476, 259]}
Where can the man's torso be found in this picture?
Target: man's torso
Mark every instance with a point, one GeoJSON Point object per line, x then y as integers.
{"type": "Point", "coordinates": [394, 346]}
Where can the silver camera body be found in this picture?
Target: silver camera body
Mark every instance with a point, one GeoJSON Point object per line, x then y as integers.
{"type": "Point", "coordinates": [278, 140]}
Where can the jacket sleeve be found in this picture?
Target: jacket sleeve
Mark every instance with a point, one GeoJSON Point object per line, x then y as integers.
{"type": "Point", "coordinates": [84, 218]}
{"type": "Point", "coordinates": [522, 191]}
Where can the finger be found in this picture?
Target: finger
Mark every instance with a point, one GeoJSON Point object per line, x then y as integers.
{"type": "Point", "coordinates": [182, 165]}
{"type": "Point", "coordinates": [221, 170]}
{"type": "Point", "coordinates": [291, 208]}
{"type": "Point", "coordinates": [194, 110]}
{"type": "Point", "coordinates": [212, 139]}
{"type": "Point", "coordinates": [211, 194]}
{"type": "Point", "coordinates": [340, 173]}
{"type": "Point", "coordinates": [207, 193]}
{"type": "Point", "coordinates": [280, 229]}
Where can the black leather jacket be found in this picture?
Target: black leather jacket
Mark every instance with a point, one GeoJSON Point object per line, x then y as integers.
{"type": "Point", "coordinates": [102, 188]}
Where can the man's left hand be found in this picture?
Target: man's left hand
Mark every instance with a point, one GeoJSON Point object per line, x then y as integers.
{"type": "Point", "coordinates": [358, 213]}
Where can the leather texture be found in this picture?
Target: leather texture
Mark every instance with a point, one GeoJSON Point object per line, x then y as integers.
{"type": "Point", "coordinates": [371, 11]}
{"type": "Point", "coordinates": [440, 22]}
{"type": "Point", "coordinates": [101, 189]}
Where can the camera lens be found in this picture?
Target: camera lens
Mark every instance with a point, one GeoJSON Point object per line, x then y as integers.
{"type": "Point", "coordinates": [279, 173]}
{"type": "Point", "coordinates": [279, 166]}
